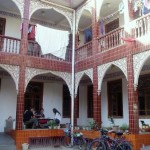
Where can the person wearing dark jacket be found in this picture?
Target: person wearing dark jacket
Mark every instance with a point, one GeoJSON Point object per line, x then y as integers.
{"type": "Point", "coordinates": [29, 118]}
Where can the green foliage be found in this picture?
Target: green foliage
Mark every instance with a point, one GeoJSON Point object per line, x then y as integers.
{"type": "Point", "coordinates": [92, 123]}
{"type": "Point", "coordinates": [51, 123]}
{"type": "Point", "coordinates": [124, 127]}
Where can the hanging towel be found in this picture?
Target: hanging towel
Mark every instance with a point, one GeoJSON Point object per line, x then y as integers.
{"type": "Point", "coordinates": [52, 41]}
{"type": "Point", "coordinates": [87, 35]}
{"type": "Point", "coordinates": [101, 28]}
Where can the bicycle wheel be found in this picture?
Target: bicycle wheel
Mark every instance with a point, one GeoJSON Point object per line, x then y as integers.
{"type": "Point", "coordinates": [123, 146]}
{"type": "Point", "coordinates": [67, 141]}
{"type": "Point", "coordinates": [82, 143]}
{"type": "Point", "coordinates": [97, 145]}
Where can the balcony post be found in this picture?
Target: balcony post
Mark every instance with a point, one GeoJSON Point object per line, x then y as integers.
{"type": "Point", "coordinates": [132, 94]}
{"type": "Point", "coordinates": [23, 49]}
{"type": "Point", "coordinates": [25, 24]}
{"type": "Point", "coordinates": [96, 100]}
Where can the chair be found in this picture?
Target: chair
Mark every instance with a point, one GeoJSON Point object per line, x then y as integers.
{"type": "Point", "coordinates": [144, 125]}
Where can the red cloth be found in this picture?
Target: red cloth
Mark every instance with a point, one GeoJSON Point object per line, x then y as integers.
{"type": "Point", "coordinates": [128, 39]}
{"type": "Point", "coordinates": [31, 34]}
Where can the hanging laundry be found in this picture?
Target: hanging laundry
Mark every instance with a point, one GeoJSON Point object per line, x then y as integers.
{"type": "Point", "coordinates": [31, 32]}
{"type": "Point", "coordinates": [87, 35]}
{"type": "Point", "coordinates": [101, 28]}
{"type": "Point", "coordinates": [52, 41]}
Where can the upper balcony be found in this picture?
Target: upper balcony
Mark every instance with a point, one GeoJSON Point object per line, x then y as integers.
{"type": "Point", "coordinates": [111, 30]}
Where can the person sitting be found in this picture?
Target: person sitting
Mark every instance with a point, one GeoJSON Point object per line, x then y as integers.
{"type": "Point", "coordinates": [29, 118]}
{"type": "Point", "coordinates": [40, 114]}
{"type": "Point", "coordinates": [57, 116]}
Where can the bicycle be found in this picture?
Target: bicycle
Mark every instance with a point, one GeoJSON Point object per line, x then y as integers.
{"type": "Point", "coordinates": [110, 143]}
{"type": "Point", "coordinates": [78, 139]}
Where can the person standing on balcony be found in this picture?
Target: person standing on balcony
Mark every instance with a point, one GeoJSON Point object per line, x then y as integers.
{"type": "Point", "coordinates": [57, 116]}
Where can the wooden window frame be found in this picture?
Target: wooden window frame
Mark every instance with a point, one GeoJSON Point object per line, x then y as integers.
{"type": "Point", "coordinates": [112, 25]}
{"type": "Point", "coordinates": [31, 95]}
{"type": "Point", "coordinates": [115, 95]}
{"type": "Point", "coordinates": [90, 101]}
{"type": "Point", "coordinates": [144, 88]}
{"type": "Point", "coordinates": [66, 106]}
{"type": "Point", "coordinates": [3, 21]}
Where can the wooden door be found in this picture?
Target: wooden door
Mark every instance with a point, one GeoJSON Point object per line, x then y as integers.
{"type": "Point", "coordinates": [2, 31]}
{"type": "Point", "coordinates": [34, 96]}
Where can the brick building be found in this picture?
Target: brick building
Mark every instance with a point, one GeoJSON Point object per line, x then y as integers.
{"type": "Point", "coordinates": [104, 71]}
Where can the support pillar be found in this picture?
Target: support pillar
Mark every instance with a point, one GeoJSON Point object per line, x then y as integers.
{"type": "Point", "coordinates": [96, 98]}
{"type": "Point", "coordinates": [23, 52]}
{"type": "Point", "coordinates": [132, 94]}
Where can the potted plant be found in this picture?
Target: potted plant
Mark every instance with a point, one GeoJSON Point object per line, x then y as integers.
{"type": "Point", "coordinates": [92, 124]}
{"type": "Point", "coordinates": [51, 124]}
{"type": "Point", "coordinates": [124, 127]}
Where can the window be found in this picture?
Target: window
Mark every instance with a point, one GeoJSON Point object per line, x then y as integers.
{"type": "Point", "coordinates": [66, 102]}
{"type": "Point", "coordinates": [112, 26]}
{"type": "Point", "coordinates": [34, 96]}
{"type": "Point", "coordinates": [90, 101]}
{"type": "Point", "coordinates": [2, 26]}
{"type": "Point", "coordinates": [115, 105]}
{"type": "Point", "coordinates": [144, 102]}
{"type": "Point", "coordinates": [144, 96]}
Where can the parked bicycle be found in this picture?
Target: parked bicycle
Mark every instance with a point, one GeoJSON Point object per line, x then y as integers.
{"type": "Point", "coordinates": [110, 143]}
{"type": "Point", "coordinates": [78, 139]}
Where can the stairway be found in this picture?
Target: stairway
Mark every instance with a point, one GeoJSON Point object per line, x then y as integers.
{"type": "Point", "coordinates": [6, 142]}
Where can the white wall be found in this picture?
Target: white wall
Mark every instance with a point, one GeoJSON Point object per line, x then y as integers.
{"type": "Point", "coordinates": [53, 98]}
{"type": "Point", "coordinates": [8, 101]}
{"type": "Point", "coordinates": [12, 23]}
{"type": "Point", "coordinates": [82, 120]}
{"type": "Point", "coordinates": [120, 121]}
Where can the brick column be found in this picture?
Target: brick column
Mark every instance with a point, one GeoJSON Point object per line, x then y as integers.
{"type": "Point", "coordinates": [76, 40]}
{"type": "Point", "coordinates": [23, 51]}
{"type": "Point", "coordinates": [131, 12]}
{"type": "Point", "coordinates": [75, 110]}
{"type": "Point", "coordinates": [20, 99]}
{"type": "Point", "coordinates": [132, 94]}
{"type": "Point", "coordinates": [25, 24]}
{"type": "Point", "coordinates": [96, 98]}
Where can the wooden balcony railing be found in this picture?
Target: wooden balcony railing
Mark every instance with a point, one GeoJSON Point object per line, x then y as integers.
{"type": "Point", "coordinates": [111, 40]}
{"type": "Point", "coordinates": [141, 26]}
{"type": "Point", "coordinates": [35, 50]}
{"type": "Point", "coordinates": [83, 51]}
{"type": "Point", "coordinates": [9, 44]}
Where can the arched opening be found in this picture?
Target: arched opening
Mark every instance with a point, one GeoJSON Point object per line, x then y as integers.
{"type": "Point", "coordinates": [110, 17]}
{"type": "Point", "coordinates": [85, 28]}
{"type": "Point", "coordinates": [52, 38]}
{"type": "Point", "coordinates": [10, 22]}
{"type": "Point", "coordinates": [84, 101]}
{"type": "Point", "coordinates": [143, 93]}
{"type": "Point", "coordinates": [48, 91]}
{"type": "Point", "coordinates": [114, 97]}
{"type": "Point", "coordinates": [8, 101]}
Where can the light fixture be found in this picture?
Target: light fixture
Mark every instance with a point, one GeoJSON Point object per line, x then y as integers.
{"type": "Point", "coordinates": [108, 5]}
{"type": "Point", "coordinates": [42, 13]}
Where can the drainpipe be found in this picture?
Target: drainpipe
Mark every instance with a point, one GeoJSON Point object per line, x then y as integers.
{"type": "Point", "coordinates": [73, 78]}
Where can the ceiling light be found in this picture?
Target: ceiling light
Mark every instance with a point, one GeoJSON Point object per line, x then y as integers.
{"type": "Point", "coordinates": [108, 5]}
{"type": "Point", "coordinates": [42, 13]}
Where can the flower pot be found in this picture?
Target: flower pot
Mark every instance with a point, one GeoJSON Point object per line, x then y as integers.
{"type": "Point", "coordinates": [115, 128]}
